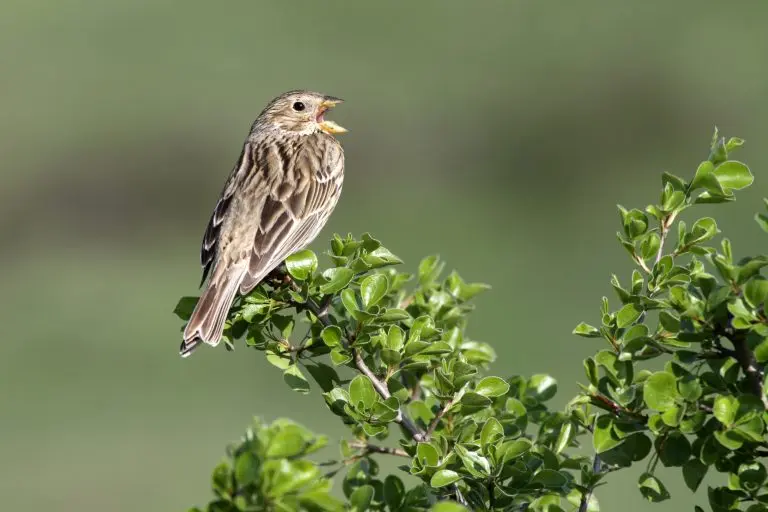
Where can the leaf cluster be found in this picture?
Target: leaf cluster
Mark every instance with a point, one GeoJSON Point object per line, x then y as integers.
{"type": "Point", "coordinates": [680, 382]}
{"type": "Point", "coordinates": [389, 350]}
{"type": "Point", "coordinates": [695, 314]}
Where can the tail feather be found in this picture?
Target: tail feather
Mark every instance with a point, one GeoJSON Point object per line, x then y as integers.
{"type": "Point", "coordinates": [206, 323]}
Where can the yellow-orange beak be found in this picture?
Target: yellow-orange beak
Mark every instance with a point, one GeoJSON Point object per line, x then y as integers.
{"type": "Point", "coordinates": [329, 126]}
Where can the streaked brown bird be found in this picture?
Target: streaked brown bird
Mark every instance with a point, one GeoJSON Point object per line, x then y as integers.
{"type": "Point", "coordinates": [278, 197]}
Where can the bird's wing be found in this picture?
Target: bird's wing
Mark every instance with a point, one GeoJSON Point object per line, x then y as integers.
{"type": "Point", "coordinates": [210, 245]}
{"type": "Point", "coordinates": [297, 206]}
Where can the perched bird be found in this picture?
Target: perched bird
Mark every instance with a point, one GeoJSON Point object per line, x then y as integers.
{"type": "Point", "coordinates": [278, 197]}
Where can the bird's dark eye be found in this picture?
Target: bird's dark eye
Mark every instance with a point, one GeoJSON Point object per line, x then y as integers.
{"type": "Point", "coordinates": [298, 106]}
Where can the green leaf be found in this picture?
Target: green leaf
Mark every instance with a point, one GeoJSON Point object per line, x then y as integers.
{"type": "Point", "coordinates": [733, 174]}
{"type": "Point", "coordinates": [427, 454]}
{"type": "Point", "coordinates": [291, 475]}
{"type": "Point", "coordinates": [444, 477]}
{"type": "Point", "coordinates": [703, 175]}
{"type": "Point", "coordinates": [694, 472]}
{"type": "Point", "coordinates": [762, 221]}
{"type": "Point", "coordinates": [722, 499]}
{"type": "Point", "coordinates": [590, 369]}
{"type": "Point", "coordinates": [761, 351]}
{"type": "Point", "coordinates": [603, 438]}
{"type": "Point", "coordinates": [220, 479]}
{"type": "Point", "coordinates": [652, 489]}
{"type": "Point", "coordinates": [390, 357]}
{"type": "Point", "coordinates": [564, 437]}
{"type": "Point", "coordinates": [675, 450]}
{"type": "Point", "coordinates": [246, 468]}
{"type": "Point", "coordinates": [320, 500]}
{"type": "Point", "coordinates": [669, 321]}
{"type": "Point", "coordinates": [729, 439]}
{"type": "Point", "coordinates": [725, 409]}
{"type": "Point", "coordinates": [360, 499]}
{"type": "Point", "coordinates": [373, 289]}
{"type": "Point", "coordinates": [324, 375]}
{"type": "Point", "coordinates": [339, 356]}
{"type": "Point", "coordinates": [550, 479]}
{"type": "Point", "coordinates": [185, 306]}
{"type": "Point", "coordinates": [703, 229]}
{"type": "Point", "coordinates": [473, 399]}
{"type": "Point", "coordinates": [751, 476]}
{"type": "Point", "coordinates": [295, 379]}
{"type": "Point", "coordinates": [635, 224]}
{"type": "Point", "coordinates": [690, 387]}
{"type": "Point", "coordinates": [627, 315]}
{"type": "Point", "coordinates": [660, 391]}
{"type": "Point", "coordinates": [332, 335]}
{"type": "Point", "coordinates": [649, 247]}
{"type": "Point", "coordinates": [448, 506]}
{"type": "Point", "coordinates": [287, 442]}
{"type": "Point", "coordinates": [301, 265]}
{"type": "Point", "coordinates": [429, 270]}
{"type": "Point", "coordinates": [672, 200]}
{"type": "Point", "coordinates": [361, 390]}
{"type": "Point", "coordinates": [349, 300]}
{"type": "Point", "coordinates": [750, 427]}
{"type": "Point", "coordinates": [513, 449]}
{"type": "Point", "coordinates": [338, 279]}
{"type": "Point", "coordinates": [462, 290]}
{"type": "Point", "coordinates": [733, 143]}
{"type": "Point", "coordinates": [673, 415]}
{"type": "Point", "coordinates": [542, 387]}
{"type": "Point", "coordinates": [393, 315]}
{"type": "Point", "coordinates": [491, 433]}
{"type": "Point", "coordinates": [633, 448]}
{"type": "Point", "coordinates": [279, 360]}
{"type": "Point", "coordinates": [475, 463]}
{"type": "Point", "coordinates": [381, 257]}
{"type": "Point", "coordinates": [756, 291]}
{"type": "Point", "coordinates": [395, 338]}
{"type": "Point", "coordinates": [586, 331]}
{"type": "Point", "coordinates": [394, 492]}
{"type": "Point", "coordinates": [492, 387]}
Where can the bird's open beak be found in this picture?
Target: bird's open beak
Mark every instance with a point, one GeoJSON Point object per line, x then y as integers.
{"type": "Point", "coordinates": [329, 126]}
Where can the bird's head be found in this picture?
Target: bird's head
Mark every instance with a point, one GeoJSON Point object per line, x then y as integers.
{"type": "Point", "coordinates": [300, 112]}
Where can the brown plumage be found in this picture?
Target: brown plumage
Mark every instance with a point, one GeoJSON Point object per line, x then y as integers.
{"type": "Point", "coordinates": [278, 197]}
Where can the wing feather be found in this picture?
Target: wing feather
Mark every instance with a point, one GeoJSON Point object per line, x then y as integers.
{"type": "Point", "coordinates": [290, 221]}
{"type": "Point", "coordinates": [209, 249]}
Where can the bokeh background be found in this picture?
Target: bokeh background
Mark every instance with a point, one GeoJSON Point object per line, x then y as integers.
{"type": "Point", "coordinates": [499, 134]}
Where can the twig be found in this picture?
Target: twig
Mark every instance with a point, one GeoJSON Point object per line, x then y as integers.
{"type": "Point", "coordinates": [665, 223]}
{"type": "Point", "coordinates": [459, 496]}
{"type": "Point", "coordinates": [642, 264]}
{"type": "Point", "coordinates": [748, 364]}
{"type": "Point", "coordinates": [436, 419]}
{"type": "Point", "coordinates": [372, 448]}
{"type": "Point", "coordinates": [609, 405]}
{"type": "Point", "coordinates": [321, 313]}
{"type": "Point", "coordinates": [597, 466]}
{"type": "Point", "coordinates": [381, 388]}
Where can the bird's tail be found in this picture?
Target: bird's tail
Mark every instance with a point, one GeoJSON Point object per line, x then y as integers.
{"type": "Point", "coordinates": [206, 323]}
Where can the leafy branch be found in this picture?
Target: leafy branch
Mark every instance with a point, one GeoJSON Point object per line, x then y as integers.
{"type": "Point", "coordinates": [707, 407]}
{"type": "Point", "coordinates": [390, 349]}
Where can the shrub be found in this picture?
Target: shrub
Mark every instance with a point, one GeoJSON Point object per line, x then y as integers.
{"type": "Point", "coordinates": [390, 351]}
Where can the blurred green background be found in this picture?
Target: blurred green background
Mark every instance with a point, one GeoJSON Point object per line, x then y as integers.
{"type": "Point", "coordinates": [501, 134]}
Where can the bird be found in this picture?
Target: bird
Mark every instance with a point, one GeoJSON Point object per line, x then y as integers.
{"type": "Point", "coordinates": [279, 195]}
